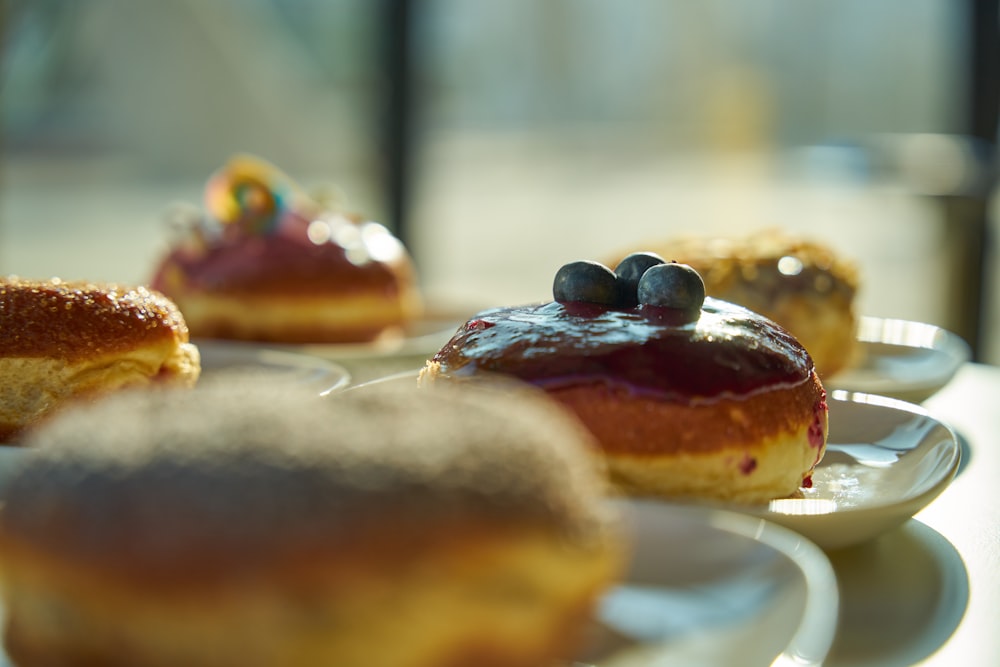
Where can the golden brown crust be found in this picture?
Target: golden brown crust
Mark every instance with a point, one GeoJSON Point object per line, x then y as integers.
{"type": "Point", "coordinates": [637, 425]}
{"type": "Point", "coordinates": [64, 342]}
{"type": "Point", "coordinates": [513, 603]}
{"type": "Point", "coordinates": [801, 284]}
{"type": "Point", "coordinates": [354, 484]}
{"type": "Point", "coordinates": [240, 525]}
{"type": "Point", "coordinates": [755, 259]}
{"type": "Point", "coordinates": [294, 318]}
{"type": "Point", "coordinates": [75, 320]}
{"type": "Point", "coordinates": [745, 449]}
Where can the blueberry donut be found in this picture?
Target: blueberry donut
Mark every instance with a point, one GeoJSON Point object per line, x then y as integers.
{"type": "Point", "coordinates": [687, 395]}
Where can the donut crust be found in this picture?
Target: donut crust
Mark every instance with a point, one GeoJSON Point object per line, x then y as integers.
{"type": "Point", "coordinates": [63, 341]}
{"type": "Point", "coordinates": [746, 450]}
{"type": "Point", "coordinates": [415, 529]}
{"type": "Point", "coordinates": [801, 284]}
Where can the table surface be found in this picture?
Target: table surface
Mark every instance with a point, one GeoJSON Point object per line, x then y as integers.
{"type": "Point", "coordinates": [928, 592]}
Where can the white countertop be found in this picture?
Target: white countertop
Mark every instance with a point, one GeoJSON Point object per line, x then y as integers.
{"type": "Point", "coordinates": [928, 593]}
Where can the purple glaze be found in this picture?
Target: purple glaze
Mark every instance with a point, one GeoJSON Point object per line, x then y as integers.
{"type": "Point", "coordinates": [727, 351]}
{"type": "Point", "coordinates": [286, 261]}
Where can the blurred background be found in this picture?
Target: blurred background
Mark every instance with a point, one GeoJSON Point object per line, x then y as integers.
{"type": "Point", "coordinates": [503, 139]}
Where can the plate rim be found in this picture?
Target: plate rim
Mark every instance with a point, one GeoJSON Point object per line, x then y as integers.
{"type": "Point", "coordinates": [811, 524]}
{"type": "Point", "coordinates": [813, 637]}
{"type": "Point", "coordinates": [946, 471]}
{"type": "Point", "coordinates": [331, 376]}
{"type": "Point", "coordinates": [932, 338]}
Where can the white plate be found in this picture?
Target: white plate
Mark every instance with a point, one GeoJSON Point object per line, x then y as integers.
{"type": "Point", "coordinates": [885, 461]}
{"type": "Point", "coordinates": [219, 357]}
{"type": "Point", "coordinates": [420, 341]}
{"type": "Point", "coordinates": [708, 587]}
{"type": "Point", "coordinates": [902, 359]}
{"type": "Point", "coordinates": [389, 354]}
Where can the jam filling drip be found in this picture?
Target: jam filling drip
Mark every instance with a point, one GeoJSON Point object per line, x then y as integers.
{"type": "Point", "coordinates": [816, 436]}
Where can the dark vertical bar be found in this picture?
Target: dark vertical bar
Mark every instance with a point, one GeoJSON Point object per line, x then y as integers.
{"type": "Point", "coordinates": [5, 18]}
{"type": "Point", "coordinates": [983, 120]}
{"type": "Point", "coordinates": [985, 69]}
{"type": "Point", "coordinates": [397, 111]}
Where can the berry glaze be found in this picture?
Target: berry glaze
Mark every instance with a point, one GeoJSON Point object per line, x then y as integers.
{"type": "Point", "coordinates": [726, 352]}
{"type": "Point", "coordinates": [301, 256]}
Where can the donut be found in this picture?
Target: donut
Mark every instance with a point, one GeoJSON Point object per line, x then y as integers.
{"type": "Point", "coordinates": [800, 283]}
{"type": "Point", "coordinates": [67, 341]}
{"type": "Point", "coordinates": [267, 263]}
{"type": "Point", "coordinates": [241, 525]}
{"type": "Point", "coordinates": [688, 396]}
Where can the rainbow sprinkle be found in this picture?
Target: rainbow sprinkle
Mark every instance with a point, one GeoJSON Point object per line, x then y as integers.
{"type": "Point", "coordinates": [250, 194]}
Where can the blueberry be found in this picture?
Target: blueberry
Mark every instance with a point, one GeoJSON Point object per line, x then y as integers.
{"type": "Point", "coordinates": [630, 270]}
{"type": "Point", "coordinates": [672, 285]}
{"type": "Point", "coordinates": [585, 281]}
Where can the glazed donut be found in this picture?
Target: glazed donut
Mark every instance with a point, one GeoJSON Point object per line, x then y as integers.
{"type": "Point", "coordinates": [687, 396]}
{"type": "Point", "coordinates": [801, 284]}
{"type": "Point", "coordinates": [67, 341]}
{"type": "Point", "coordinates": [267, 263]}
{"type": "Point", "coordinates": [238, 525]}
